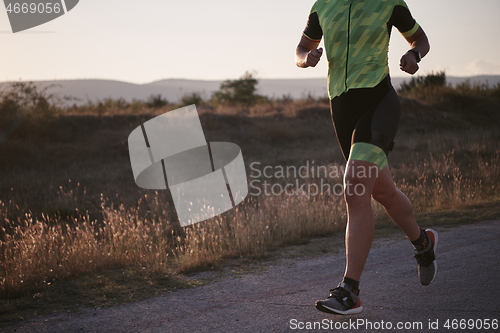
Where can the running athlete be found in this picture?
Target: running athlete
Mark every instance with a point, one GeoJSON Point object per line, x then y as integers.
{"type": "Point", "coordinates": [365, 110]}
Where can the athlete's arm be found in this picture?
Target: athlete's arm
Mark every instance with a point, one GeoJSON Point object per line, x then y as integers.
{"type": "Point", "coordinates": [307, 53]}
{"type": "Point", "coordinates": [418, 41]}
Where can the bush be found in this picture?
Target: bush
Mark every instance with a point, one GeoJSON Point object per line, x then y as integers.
{"type": "Point", "coordinates": [9, 113]}
{"type": "Point", "coordinates": [430, 80]}
{"type": "Point", "coordinates": [26, 105]}
{"type": "Point", "coordinates": [191, 98]}
{"type": "Point", "coordinates": [156, 101]}
{"type": "Point", "coordinates": [239, 92]}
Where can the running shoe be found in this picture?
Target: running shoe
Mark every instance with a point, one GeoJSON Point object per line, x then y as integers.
{"type": "Point", "coordinates": [426, 259]}
{"type": "Point", "coordinates": [341, 301]}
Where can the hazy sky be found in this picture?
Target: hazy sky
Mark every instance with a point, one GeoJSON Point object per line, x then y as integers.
{"type": "Point", "coordinates": [144, 41]}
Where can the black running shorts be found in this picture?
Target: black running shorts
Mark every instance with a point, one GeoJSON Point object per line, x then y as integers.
{"type": "Point", "coordinates": [368, 115]}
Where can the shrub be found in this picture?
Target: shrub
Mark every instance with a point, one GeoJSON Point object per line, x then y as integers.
{"type": "Point", "coordinates": [239, 92]}
{"type": "Point", "coordinates": [156, 101]}
{"type": "Point", "coordinates": [191, 98]}
{"type": "Point", "coordinates": [25, 105]}
{"type": "Point", "coordinates": [430, 80]}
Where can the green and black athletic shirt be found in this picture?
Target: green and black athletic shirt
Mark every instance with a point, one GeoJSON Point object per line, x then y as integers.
{"type": "Point", "coordinates": [356, 35]}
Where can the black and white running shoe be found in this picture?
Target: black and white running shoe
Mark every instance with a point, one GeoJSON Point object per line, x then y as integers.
{"type": "Point", "coordinates": [341, 301]}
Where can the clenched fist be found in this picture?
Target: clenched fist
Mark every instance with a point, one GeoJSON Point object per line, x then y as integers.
{"type": "Point", "coordinates": [408, 63]}
{"type": "Point", "coordinates": [312, 58]}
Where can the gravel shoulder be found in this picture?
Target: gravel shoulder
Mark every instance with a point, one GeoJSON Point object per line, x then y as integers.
{"type": "Point", "coordinates": [281, 298]}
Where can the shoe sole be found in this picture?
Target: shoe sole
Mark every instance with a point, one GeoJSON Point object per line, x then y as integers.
{"type": "Point", "coordinates": [435, 243]}
{"type": "Point", "coordinates": [324, 308]}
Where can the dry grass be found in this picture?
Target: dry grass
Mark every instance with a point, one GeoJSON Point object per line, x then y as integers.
{"type": "Point", "coordinates": [35, 252]}
{"type": "Point", "coordinates": [52, 228]}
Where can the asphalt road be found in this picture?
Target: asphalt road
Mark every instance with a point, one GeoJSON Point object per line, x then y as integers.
{"type": "Point", "coordinates": [281, 299]}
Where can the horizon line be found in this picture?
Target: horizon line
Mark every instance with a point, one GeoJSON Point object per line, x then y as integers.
{"type": "Point", "coordinates": [217, 80]}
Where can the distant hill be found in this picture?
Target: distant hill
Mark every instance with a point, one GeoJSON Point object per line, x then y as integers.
{"type": "Point", "coordinates": [174, 89]}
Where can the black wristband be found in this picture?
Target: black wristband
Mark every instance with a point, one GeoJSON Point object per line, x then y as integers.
{"type": "Point", "coordinates": [417, 54]}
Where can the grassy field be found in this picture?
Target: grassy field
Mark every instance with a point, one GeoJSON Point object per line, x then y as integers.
{"type": "Point", "coordinates": [74, 226]}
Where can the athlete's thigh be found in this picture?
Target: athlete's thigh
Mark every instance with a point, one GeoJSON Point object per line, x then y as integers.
{"type": "Point", "coordinates": [345, 115]}
{"type": "Point", "coordinates": [385, 121]}
{"type": "Point", "coordinates": [353, 105]}
{"type": "Point", "coordinates": [379, 124]}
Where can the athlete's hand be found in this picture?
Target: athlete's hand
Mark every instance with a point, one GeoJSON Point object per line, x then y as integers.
{"type": "Point", "coordinates": [409, 63]}
{"type": "Point", "coordinates": [312, 58]}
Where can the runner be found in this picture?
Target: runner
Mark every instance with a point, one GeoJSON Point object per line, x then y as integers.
{"type": "Point", "coordinates": [365, 111]}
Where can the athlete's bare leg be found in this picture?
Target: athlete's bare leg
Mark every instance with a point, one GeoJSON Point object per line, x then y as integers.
{"type": "Point", "coordinates": [361, 221]}
{"type": "Point", "coordinates": [396, 204]}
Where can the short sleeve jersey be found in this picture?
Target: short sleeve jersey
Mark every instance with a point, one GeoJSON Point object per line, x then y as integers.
{"type": "Point", "coordinates": [356, 36]}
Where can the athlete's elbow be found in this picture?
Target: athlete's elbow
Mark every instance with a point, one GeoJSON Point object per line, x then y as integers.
{"type": "Point", "coordinates": [425, 44]}
{"type": "Point", "coordinates": [426, 49]}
